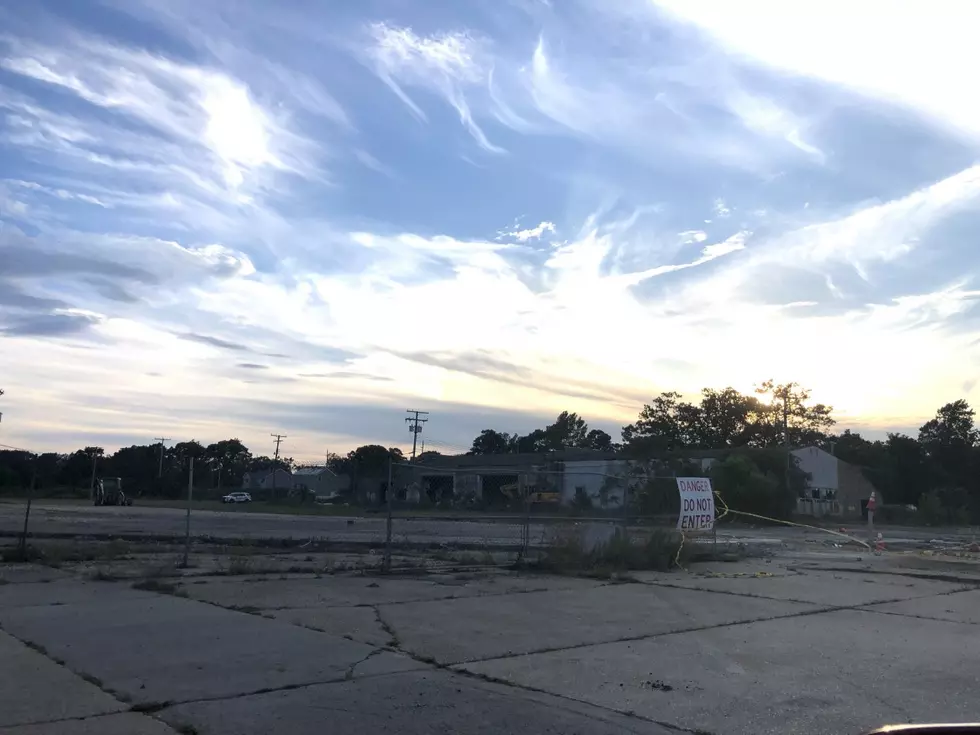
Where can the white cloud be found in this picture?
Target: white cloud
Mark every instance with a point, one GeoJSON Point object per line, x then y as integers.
{"type": "Point", "coordinates": [532, 233]}
{"type": "Point", "coordinates": [921, 53]}
{"type": "Point", "coordinates": [182, 164]}
{"type": "Point", "coordinates": [691, 236]}
{"type": "Point", "coordinates": [446, 64]}
{"type": "Point", "coordinates": [193, 106]}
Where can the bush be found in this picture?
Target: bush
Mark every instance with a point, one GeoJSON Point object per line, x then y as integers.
{"type": "Point", "coordinates": [931, 511]}
{"type": "Point", "coordinates": [744, 487]}
{"type": "Point", "coordinates": [900, 515]}
{"type": "Point", "coordinates": [581, 501]}
{"type": "Point", "coordinates": [568, 552]}
{"type": "Point", "coordinates": [941, 507]}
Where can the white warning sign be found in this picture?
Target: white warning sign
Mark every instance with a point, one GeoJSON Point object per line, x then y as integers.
{"type": "Point", "coordinates": [697, 504]}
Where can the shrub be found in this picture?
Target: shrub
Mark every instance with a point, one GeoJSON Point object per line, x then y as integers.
{"type": "Point", "coordinates": [581, 501]}
{"type": "Point", "coordinates": [931, 510]}
{"type": "Point", "coordinates": [744, 487]}
{"type": "Point", "coordinates": [568, 552]}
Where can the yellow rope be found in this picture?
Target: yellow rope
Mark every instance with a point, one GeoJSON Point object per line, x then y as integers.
{"type": "Point", "coordinates": [726, 510]}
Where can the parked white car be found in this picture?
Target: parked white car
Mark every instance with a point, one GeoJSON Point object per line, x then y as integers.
{"type": "Point", "coordinates": [237, 498]}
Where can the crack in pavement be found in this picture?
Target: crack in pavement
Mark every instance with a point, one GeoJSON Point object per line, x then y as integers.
{"type": "Point", "coordinates": [153, 707]}
{"type": "Point", "coordinates": [87, 678]}
{"type": "Point", "coordinates": [393, 603]}
{"type": "Point", "coordinates": [349, 674]}
{"type": "Point", "coordinates": [627, 639]}
{"type": "Point", "coordinates": [673, 585]}
{"type": "Point", "coordinates": [83, 718]}
{"type": "Point", "coordinates": [527, 687]}
{"type": "Point", "coordinates": [393, 640]}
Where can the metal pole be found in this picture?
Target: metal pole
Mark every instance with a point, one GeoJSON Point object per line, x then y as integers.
{"type": "Point", "coordinates": [626, 509]}
{"type": "Point", "coordinates": [27, 513]}
{"type": "Point", "coordinates": [526, 540]}
{"type": "Point", "coordinates": [386, 560]}
{"type": "Point", "coordinates": [187, 526]}
{"type": "Point", "coordinates": [91, 487]}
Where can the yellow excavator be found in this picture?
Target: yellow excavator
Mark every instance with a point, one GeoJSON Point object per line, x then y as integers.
{"type": "Point", "coordinates": [108, 491]}
{"type": "Point", "coordinates": [536, 495]}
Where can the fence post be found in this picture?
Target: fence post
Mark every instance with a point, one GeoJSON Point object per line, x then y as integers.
{"type": "Point", "coordinates": [22, 552]}
{"type": "Point", "coordinates": [626, 507]}
{"type": "Point", "coordinates": [526, 529]}
{"type": "Point", "coordinates": [386, 560]}
{"type": "Point", "coordinates": [187, 523]}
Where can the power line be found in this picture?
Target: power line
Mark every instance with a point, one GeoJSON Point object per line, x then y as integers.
{"type": "Point", "coordinates": [415, 426]}
{"type": "Point", "coordinates": [15, 449]}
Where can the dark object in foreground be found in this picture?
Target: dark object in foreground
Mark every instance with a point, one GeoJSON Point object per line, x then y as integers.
{"type": "Point", "coordinates": [957, 728]}
{"type": "Point", "coordinates": [108, 491]}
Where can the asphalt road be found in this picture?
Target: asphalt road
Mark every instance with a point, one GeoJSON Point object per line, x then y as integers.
{"type": "Point", "coordinates": [85, 520]}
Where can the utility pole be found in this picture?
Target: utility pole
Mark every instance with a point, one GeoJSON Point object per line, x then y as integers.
{"type": "Point", "coordinates": [187, 522]}
{"type": "Point", "coordinates": [415, 426]}
{"type": "Point", "coordinates": [161, 439]}
{"type": "Point", "coordinates": [91, 487]}
{"type": "Point", "coordinates": [275, 464]}
{"type": "Point", "coordinates": [786, 389]}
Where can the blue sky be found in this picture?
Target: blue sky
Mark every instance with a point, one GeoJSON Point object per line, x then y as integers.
{"type": "Point", "coordinates": [240, 218]}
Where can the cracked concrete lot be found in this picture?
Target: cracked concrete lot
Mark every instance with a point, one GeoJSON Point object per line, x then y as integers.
{"type": "Point", "coordinates": [759, 648]}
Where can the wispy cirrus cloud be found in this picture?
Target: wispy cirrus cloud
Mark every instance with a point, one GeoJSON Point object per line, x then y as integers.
{"type": "Point", "coordinates": [232, 199]}
{"type": "Point", "coordinates": [446, 64]}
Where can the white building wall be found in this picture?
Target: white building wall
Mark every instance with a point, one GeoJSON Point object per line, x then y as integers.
{"type": "Point", "coordinates": [590, 475]}
{"type": "Point", "coordinates": [822, 467]}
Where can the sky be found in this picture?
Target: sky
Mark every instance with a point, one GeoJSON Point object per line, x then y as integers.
{"type": "Point", "coordinates": [242, 218]}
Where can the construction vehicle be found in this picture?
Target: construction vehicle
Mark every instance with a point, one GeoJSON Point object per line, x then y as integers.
{"type": "Point", "coordinates": [108, 491]}
{"type": "Point", "coordinates": [536, 494]}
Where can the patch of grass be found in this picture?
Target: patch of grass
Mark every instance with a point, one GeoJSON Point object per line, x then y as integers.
{"type": "Point", "coordinates": [103, 575]}
{"type": "Point", "coordinates": [239, 560]}
{"type": "Point", "coordinates": [92, 679]}
{"type": "Point", "coordinates": [36, 647]}
{"type": "Point", "coordinates": [248, 609]}
{"type": "Point", "coordinates": [156, 571]}
{"type": "Point", "coordinates": [116, 549]}
{"type": "Point", "coordinates": [568, 552]}
{"type": "Point", "coordinates": [156, 585]}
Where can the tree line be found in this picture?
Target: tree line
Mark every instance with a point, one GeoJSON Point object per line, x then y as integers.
{"type": "Point", "coordinates": [941, 464]}
{"type": "Point", "coordinates": [938, 469]}
{"type": "Point", "coordinates": [153, 469]}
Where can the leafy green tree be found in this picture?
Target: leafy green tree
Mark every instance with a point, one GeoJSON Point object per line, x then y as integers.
{"type": "Point", "coordinates": [661, 426]}
{"type": "Point", "coordinates": [599, 440]}
{"type": "Point", "coordinates": [906, 470]}
{"type": "Point", "coordinates": [569, 431]}
{"type": "Point", "coordinates": [137, 466]}
{"type": "Point", "coordinates": [788, 418]}
{"type": "Point", "coordinates": [493, 442]}
{"type": "Point", "coordinates": [744, 486]}
{"type": "Point", "coordinates": [950, 440]}
{"type": "Point", "coordinates": [228, 460]}
{"type": "Point", "coordinates": [724, 419]}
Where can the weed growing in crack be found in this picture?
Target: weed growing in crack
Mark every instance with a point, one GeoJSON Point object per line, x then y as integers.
{"type": "Point", "coordinates": [156, 585]}
{"type": "Point", "coordinates": [569, 553]}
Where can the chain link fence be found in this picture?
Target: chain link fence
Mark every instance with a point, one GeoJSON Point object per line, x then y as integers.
{"type": "Point", "coordinates": [497, 512]}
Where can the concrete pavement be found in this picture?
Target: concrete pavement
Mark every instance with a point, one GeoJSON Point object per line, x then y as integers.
{"type": "Point", "coordinates": [749, 647]}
